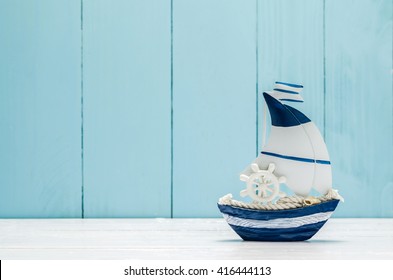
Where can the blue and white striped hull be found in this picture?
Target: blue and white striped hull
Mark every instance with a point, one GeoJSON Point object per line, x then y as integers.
{"type": "Point", "coordinates": [278, 225]}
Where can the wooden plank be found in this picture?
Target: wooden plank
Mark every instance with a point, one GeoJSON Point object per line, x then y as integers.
{"type": "Point", "coordinates": [40, 109]}
{"type": "Point", "coordinates": [359, 104]}
{"type": "Point", "coordinates": [290, 49]}
{"type": "Point", "coordinates": [214, 102]}
{"type": "Point", "coordinates": [127, 108]}
{"type": "Point", "coordinates": [203, 239]}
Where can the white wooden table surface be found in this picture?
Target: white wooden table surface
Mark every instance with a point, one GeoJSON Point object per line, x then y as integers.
{"type": "Point", "coordinates": [185, 239]}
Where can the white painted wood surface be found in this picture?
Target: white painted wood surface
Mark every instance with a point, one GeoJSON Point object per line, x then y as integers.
{"type": "Point", "coordinates": [185, 239]}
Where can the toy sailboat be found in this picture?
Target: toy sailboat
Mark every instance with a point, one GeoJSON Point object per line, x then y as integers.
{"type": "Point", "coordinates": [295, 154]}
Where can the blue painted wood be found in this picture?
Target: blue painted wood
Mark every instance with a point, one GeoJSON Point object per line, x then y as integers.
{"type": "Point", "coordinates": [214, 102]}
{"type": "Point", "coordinates": [127, 104]}
{"type": "Point", "coordinates": [40, 157]}
{"type": "Point", "coordinates": [359, 104]}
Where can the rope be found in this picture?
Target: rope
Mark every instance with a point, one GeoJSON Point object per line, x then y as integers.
{"type": "Point", "coordinates": [288, 202]}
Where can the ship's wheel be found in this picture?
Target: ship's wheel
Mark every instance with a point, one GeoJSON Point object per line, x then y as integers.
{"type": "Point", "coordinates": [262, 185]}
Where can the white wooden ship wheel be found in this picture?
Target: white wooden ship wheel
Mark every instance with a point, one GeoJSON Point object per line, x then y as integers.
{"type": "Point", "coordinates": [262, 185]}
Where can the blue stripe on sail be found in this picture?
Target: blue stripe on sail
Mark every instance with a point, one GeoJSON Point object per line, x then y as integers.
{"type": "Point", "coordinates": [293, 100]}
{"type": "Point", "coordinates": [266, 215]}
{"type": "Point", "coordinates": [310, 160]}
{"type": "Point", "coordinates": [283, 115]}
{"type": "Point", "coordinates": [286, 91]}
{"type": "Point", "coordinates": [322, 161]}
{"type": "Point", "coordinates": [288, 234]}
{"type": "Point", "coordinates": [290, 85]}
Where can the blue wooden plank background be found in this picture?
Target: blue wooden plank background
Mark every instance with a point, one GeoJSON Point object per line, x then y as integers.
{"type": "Point", "coordinates": [214, 101]}
{"type": "Point", "coordinates": [359, 104]}
{"type": "Point", "coordinates": [150, 108]}
{"type": "Point", "coordinates": [40, 109]}
{"type": "Point", "coordinates": [126, 102]}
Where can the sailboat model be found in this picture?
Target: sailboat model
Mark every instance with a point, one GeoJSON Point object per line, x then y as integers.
{"type": "Point", "coordinates": [295, 154]}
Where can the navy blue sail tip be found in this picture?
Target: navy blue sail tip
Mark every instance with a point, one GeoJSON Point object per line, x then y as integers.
{"type": "Point", "coordinates": [302, 118]}
{"type": "Point", "coordinates": [284, 115]}
{"type": "Point", "coordinates": [266, 215]}
{"type": "Point", "coordinates": [290, 85]}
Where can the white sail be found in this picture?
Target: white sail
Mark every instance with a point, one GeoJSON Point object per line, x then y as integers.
{"type": "Point", "coordinates": [295, 145]}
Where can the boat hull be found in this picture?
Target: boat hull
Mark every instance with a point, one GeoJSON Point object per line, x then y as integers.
{"type": "Point", "coordinates": [297, 224]}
